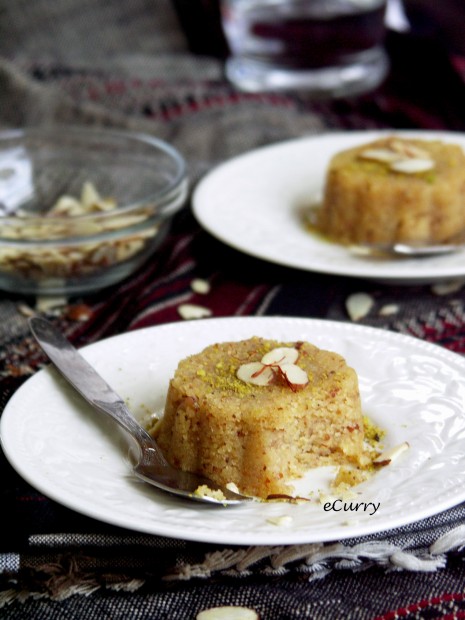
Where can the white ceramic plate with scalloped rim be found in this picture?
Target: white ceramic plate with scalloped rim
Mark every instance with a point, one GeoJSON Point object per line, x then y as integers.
{"type": "Point", "coordinates": [254, 203]}
{"type": "Point", "coordinates": [411, 388]}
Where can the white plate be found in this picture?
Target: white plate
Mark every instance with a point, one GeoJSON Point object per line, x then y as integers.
{"type": "Point", "coordinates": [254, 204]}
{"type": "Point", "coordinates": [413, 389]}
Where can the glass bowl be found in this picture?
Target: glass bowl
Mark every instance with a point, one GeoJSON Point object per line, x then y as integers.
{"type": "Point", "coordinates": [82, 208]}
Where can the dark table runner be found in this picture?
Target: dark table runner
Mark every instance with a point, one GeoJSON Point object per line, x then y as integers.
{"type": "Point", "coordinates": [55, 563]}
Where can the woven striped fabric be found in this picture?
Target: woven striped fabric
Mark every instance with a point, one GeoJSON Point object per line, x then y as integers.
{"type": "Point", "coordinates": [56, 563]}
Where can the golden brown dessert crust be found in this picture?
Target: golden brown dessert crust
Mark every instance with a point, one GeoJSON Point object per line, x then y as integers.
{"type": "Point", "coordinates": [365, 201]}
{"type": "Point", "coordinates": [259, 437]}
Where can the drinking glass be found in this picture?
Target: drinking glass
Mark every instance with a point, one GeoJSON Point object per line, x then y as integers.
{"type": "Point", "coordinates": [324, 47]}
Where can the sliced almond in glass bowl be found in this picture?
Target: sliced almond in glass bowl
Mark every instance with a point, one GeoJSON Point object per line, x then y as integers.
{"type": "Point", "coordinates": [83, 208]}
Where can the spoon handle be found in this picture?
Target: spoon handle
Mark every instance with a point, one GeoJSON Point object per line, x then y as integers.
{"type": "Point", "coordinates": [84, 378]}
{"type": "Point", "coordinates": [152, 466]}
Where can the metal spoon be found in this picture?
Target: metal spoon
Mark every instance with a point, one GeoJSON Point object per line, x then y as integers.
{"type": "Point", "coordinates": [151, 465]}
{"type": "Point", "coordinates": [405, 250]}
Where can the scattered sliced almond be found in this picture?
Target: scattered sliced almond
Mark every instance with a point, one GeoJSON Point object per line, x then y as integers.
{"type": "Point", "coordinates": [391, 454]}
{"type": "Point", "coordinates": [358, 305]}
{"type": "Point", "coordinates": [49, 304]}
{"type": "Point", "coordinates": [25, 310]}
{"type": "Point", "coordinates": [232, 486]}
{"type": "Point", "coordinates": [192, 311]}
{"type": "Point", "coordinates": [412, 165]}
{"type": "Point", "coordinates": [204, 491]}
{"type": "Point", "coordinates": [445, 288]}
{"type": "Point", "coordinates": [388, 310]}
{"type": "Point", "coordinates": [202, 287]}
{"type": "Point", "coordinates": [282, 521]}
{"type": "Point", "coordinates": [232, 612]}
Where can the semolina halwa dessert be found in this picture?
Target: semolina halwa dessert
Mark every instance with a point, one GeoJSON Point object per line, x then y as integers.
{"type": "Point", "coordinates": [258, 413]}
{"type": "Point", "coordinates": [395, 190]}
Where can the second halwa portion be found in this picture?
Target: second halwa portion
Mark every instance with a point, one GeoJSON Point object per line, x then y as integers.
{"type": "Point", "coordinates": [395, 190]}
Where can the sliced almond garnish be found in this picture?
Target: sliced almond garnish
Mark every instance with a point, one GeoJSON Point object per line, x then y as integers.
{"type": "Point", "coordinates": [281, 355]}
{"type": "Point", "coordinates": [385, 156]}
{"type": "Point", "coordinates": [294, 375]}
{"type": "Point", "coordinates": [412, 165]}
{"type": "Point", "coordinates": [400, 156]}
{"type": "Point", "coordinates": [278, 362]}
{"type": "Point", "coordinates": [256, 373]}
{"type": "Point", "coordinates": [232, 612]}
{"type": "Point", "coordinates": [408, 149]}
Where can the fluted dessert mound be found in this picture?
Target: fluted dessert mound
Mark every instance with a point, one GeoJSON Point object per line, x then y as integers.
{"type": "Point", "coordinates": [258, 413]}
{"type": "Point", "coordinates": [395, 190]}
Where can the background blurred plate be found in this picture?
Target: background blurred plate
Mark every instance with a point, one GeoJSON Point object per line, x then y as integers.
{"type": "Point", "coordinates": [254, 203]}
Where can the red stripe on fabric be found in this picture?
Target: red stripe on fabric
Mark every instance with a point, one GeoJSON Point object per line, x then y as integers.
{"type": "Point", "coordinates": [423, 604]}
{"type": "Point", "coordinates": [32, 498]}
{"type": "Point", "coordinates": [181, 109]}
{"type": "Point", "coordinates": [224, 299]}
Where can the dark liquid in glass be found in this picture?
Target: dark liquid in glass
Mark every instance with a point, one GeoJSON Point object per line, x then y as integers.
{"type": "Point", "coordinates": [314, 42]}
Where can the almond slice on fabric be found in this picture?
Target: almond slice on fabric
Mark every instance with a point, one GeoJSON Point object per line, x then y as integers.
{"type": "Point", "coordinates": [192, 311]}
{"type": "Point", "coordinates": [202, 287]}
{"type": "Point", "coordinates": [358, 305]}
{"type": "Point", "coordinates": [228, 613]}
